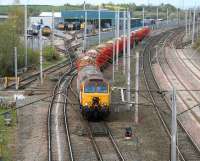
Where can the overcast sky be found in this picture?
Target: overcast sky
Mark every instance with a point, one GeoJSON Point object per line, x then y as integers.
{"type": "Point", "coordinates": [179, 3]}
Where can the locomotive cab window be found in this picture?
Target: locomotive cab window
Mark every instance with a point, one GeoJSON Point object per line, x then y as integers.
{"type": "Point", "coordinates": [102, 87]}
{"type": "Point", "coordinates": [89, 87]}
{"type": "Point", "coordinates": [96, 86]}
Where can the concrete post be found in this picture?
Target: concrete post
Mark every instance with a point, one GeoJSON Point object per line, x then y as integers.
{"type": "Point", "coordinates": [173, 127]}
{"type": "Point", "coordinates": [99, 25]}
{"type": "Point", "coordinates": [136, 87]}
{"type": "Point", "coordinates": [52, 26]}
{"type": "Point", "coordinates": [16, 76]}
{"type": "Point", "coordinates": [41, 58]}
{"type": "Point", "coordinates": [25, 36]}
{"type": "Point", "coordinates": [124, 43]}
{"type": "Point", "coordinates": [117, 50]}
{"type": "Point", "coordinates": [143, 16]}
{"type": "Point", "coordinates": [128, 62]}
{"type": "Point", "coordinates": [193, 30]}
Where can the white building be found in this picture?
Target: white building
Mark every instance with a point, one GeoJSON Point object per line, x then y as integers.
{"type": "Point", "coordinates": [46, 19]}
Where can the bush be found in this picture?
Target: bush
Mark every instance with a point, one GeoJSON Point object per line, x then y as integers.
{"type": "Point", "coordinates": [50, 54]}
{"type": "Point", "coordinates": [197, 45]}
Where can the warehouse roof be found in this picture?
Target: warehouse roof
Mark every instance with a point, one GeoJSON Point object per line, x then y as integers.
{"type": "Point", "coordinates": [49, 14]}
{"type": "Point", "coordinates": [91, 14]}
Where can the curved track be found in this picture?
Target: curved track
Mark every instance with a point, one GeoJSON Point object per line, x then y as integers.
{"type": "Point", "coordinates": [187, 149]}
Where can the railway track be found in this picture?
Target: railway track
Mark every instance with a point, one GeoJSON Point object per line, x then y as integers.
{"type": "Point", "coordinates": [35, 76]}
{"type": "Point", "coordinates": [104, 142]}
{"type": "Point", "coordinates": [57, 115]}
{"type": "Point", "coordinates": [187, 149]}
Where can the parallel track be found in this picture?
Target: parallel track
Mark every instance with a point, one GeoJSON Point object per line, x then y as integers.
{"type": "Point", "coordinates": [186, 147]}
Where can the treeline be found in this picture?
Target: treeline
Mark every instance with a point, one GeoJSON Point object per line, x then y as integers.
{"type": "Point", "coordinates": [34, 10]}
{"type": "Point", "coordinates": [11, 32]}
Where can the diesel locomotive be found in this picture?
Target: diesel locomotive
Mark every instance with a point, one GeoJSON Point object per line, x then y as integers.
{"type": "Point", "coordinates": [94, 90]}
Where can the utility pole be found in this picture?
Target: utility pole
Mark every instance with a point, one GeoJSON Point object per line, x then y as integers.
{"type": "Point", "coordinates": [85, 30]}
{"type": "Point", "coordinates": [25, 35]}
{"type": "Point", "coordinates": [193, 30]}
{"type": "Point", "coordinates": [114, 40]}
{"type": "Point", "coordinates": [167, 18]}
{"type": "Point", "coordinates": [189, 22]}
{"type": "Point", "coordinates": [117, 50]}
{"type": "Point", "coordinates": [99, 25]}
{"type": "Point", "coordinates": [52, 38]}
{"type": "Point", "coordinates": [197, 25]}
{"type": "Point", "coordinates": [124, 43]}
{"type": "Point", "coordinates": [41, 58]}
{"type": "Point", "coordinates": [143, 16]}
{"type": "Point", "coordinates": [128, 61]}
{"type": "Point", "coordinates": [177, 16]}
{"type": "Point", "coordinates": [186, 17]}
{"type": "Point", "coordinates": [157, 18]}
{"type": "Point", "coordinates": [173, 127]}
{"type": "Point", "coordinates": [16, 76]}
{"type": "Point", "coordinates": [137, 87]}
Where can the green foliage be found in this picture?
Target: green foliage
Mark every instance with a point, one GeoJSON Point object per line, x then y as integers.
{"type": "Point", "coordinates": [11, 30]}
{"type": "Point", "coordinates": [50, 54]}
{"type": "Point", "coordinates": [34, 10]}
{"type": "Point", "coordinates": [8, 39]}
{"type": "Point", "coordinates": [7, 136]}
{"type": "Point", "coordinates": [196, 45]}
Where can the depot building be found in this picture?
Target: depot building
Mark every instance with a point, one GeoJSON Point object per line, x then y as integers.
{"type": "Point", "coordinates": [107, 17]}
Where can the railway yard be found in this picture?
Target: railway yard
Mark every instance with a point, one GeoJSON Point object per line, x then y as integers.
{"type": "Point", "coordinates": [86, 105]}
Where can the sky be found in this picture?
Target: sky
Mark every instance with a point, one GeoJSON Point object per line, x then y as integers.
{"type": "Point", "coordinates": [177, 3]}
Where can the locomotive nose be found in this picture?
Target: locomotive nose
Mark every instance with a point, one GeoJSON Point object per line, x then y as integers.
{"type": "Point", "coordinates": [95, 101]}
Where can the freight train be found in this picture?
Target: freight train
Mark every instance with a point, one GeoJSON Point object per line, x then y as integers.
{"type": "Point", "coordinates": [94, 90]}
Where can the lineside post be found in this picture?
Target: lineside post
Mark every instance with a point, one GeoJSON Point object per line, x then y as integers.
{"type": "Point", "coordinates": [41, 59]}
{"type": "Point", "coordinates": [85, 30]}
{"type": "Point", "coordinates": [124, 43]}
{"type": "Point", "coordinates": [117, 50]}
{"type": "Point", "coordinates": [173, 126]}
{"type": "Point", "coordinates": [25, 36]}
{"type": "Point", "coordinates": [143, 16]}
{"type": "Point", "coordinates": [186, 17]}
{"type": "Point", "coordinates": [167, 17]}
{"type": "Point", "coordinates": [52, 38]}
{"type": "Point", "coordinates": [99, 13]}
{"type": "Point", "coordinates": [128, 62]}
{"type": "Point", "coordinates": [137, 87]}
{"type": "Point", "coordinates": [157, 18]}
{"type": "Point", "coordinates": [16, 75]}
{"type": "Point", "coordinates": [193, 30]}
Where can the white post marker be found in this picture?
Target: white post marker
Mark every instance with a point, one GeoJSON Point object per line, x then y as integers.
{"type": "Point", "coordinates": [177, 16]}
{"type": "Point", "coordinates": [137, 87]}
{"type": "Point", "coordinates": [52, 26]}
{"type": "Point", "coordinates": [189, 22]}
{"type": "Point", "coordinates": [157, 18]}
{"type": "Point", "coordinates": [143, 16]}
{"type": "Point", "coordinates": [41, 58]}
{"type": "Point", "coordinates": [99, 25]}
{"type": "Point", "coordinates": [167, 17]}
{"type": "Point", "coordinates": [193, 30]}
{"type": "Point", "coordinates": [114, 35]}
{"type": "Point", "coordinates": [25, 36]}
{"type": "Point", "coordinates": [128, 62]}
{"type": "Point", "coordinates": [85, 29]}
{"type": "Point", "coordinates": [124, 43]}
{"type": "Point", "coordinates": [16, 76]}
{"type": "Point", "coordinates": [186, 17]}
{"type": "Point", "coordinates": [117, 50]}
{"type": "Point", "coordinates": [173, 127]}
